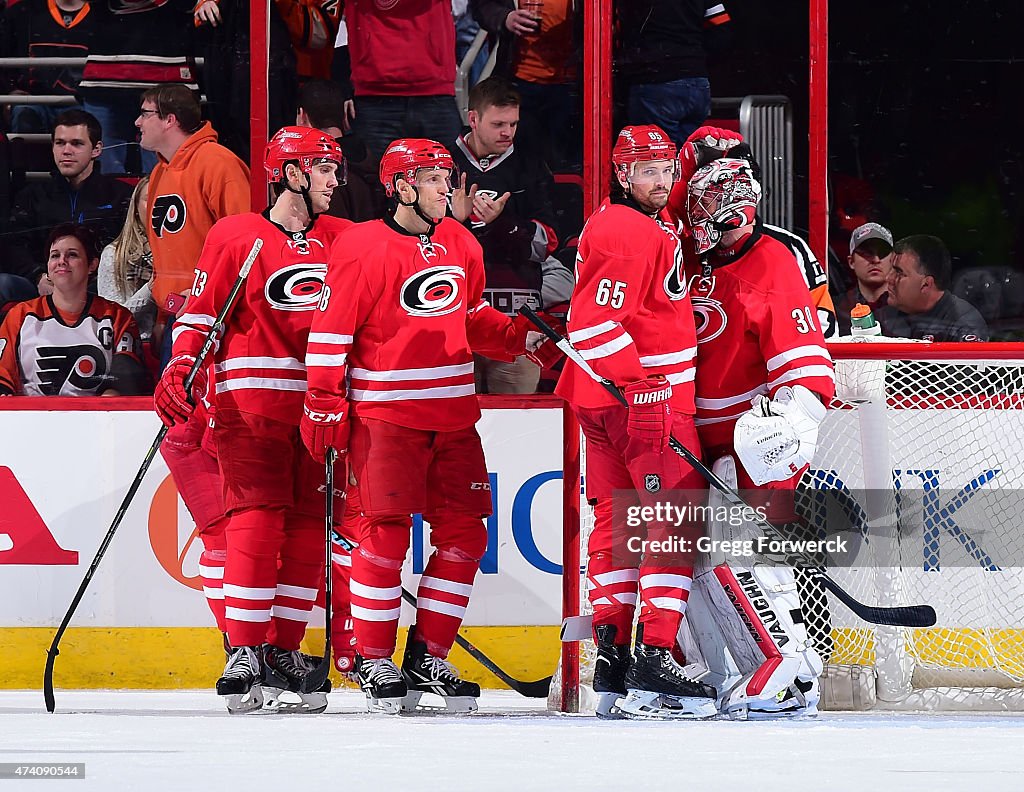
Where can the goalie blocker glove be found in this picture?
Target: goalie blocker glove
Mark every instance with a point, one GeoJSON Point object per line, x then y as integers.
{"type": "Point", "coordinates": [172, 403]}
{"type": "Point", "coordinates": [776, 439]}
{"type": "Point", "coordinates": [324, 424]}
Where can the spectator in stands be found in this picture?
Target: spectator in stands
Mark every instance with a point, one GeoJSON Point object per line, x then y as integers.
{"type": "Point", "coordinates": [138, 44]}
{"type": "Point", "coordinates": [126, 265]}
{"type": "Point", "coordinates": [195, 184]}
{"type": "Point", "coordinates": [403, 71]}
{"type": "Point", "coordinates": [70, 343]}
{"type": "Point", "coordinates": [312, 26]}
{"type": "Point", "coordinates": [77, 192]}
{"type": "Point", "coordinates": [919, 292]}
{"type": "Point", "coordinates": [870, 260]}
{"type": "Point", "coordinates": [226, 71]}
{"type": "Point", "coordinates": [505, 200]}
{"type": "Point", "coordinates": [55, 29]}
{"type": "Point", "coordinates": [537, 49]}
{"type": "Point", "coordinates": [663, 55]}
{"type": "Point", "coordinates": [322, 106]}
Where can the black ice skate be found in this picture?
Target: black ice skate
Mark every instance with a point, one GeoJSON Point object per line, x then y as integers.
{"type": "Point", "coordinates": [240, 684]}
{"type": "Point", "coordinates": [283, 674]}
{"type": "Point", "coordinates": [610, 671]}
{"type": "Point", "coordinates": [659, 689]}
{"type": "Point", "coordinates": [424, 673]}
{"type": "Point", "coordinates": [382, 683]}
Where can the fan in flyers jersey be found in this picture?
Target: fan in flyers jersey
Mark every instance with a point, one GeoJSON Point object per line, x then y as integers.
{"type": "Point", "coordinates": [631, 318]}
{"type": "Point", "coordinates": [272, 487]}
{"type": "Point", "coordinates": [390, 366]}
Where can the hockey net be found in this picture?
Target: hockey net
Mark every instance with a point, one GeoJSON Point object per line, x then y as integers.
{"type": "Point", "coordinates": [925, 442]}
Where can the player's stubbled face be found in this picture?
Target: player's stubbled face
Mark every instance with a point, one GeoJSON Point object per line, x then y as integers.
{"type": "Point", "coordinates": [651, 182]}
{"type": "Point", "coordinates": [322, 181]}
{"type": "Point", "coordinates": [433, 187]}
{"type": "Point", "coordinates": [67, 264]}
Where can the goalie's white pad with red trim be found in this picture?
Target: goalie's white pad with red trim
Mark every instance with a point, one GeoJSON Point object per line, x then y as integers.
{"type": "Point", "coordinates": [777, 438]}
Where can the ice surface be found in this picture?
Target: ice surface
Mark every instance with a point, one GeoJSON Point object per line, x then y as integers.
{"type": "Point", "coordinates": [184, 740]}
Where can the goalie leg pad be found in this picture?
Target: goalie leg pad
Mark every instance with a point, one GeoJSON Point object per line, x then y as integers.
{"type": "Point", "coordinates": [759, 613]}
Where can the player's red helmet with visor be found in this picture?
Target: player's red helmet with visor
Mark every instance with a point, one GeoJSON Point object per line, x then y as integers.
{"type": "Point", "coordinates": [407, 155]}
{"type": "Point", "coordinates": [304, 146]}
{"type": "Point", "coordinates": [645, 143]}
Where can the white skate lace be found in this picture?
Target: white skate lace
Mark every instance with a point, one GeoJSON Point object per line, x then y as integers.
{"type": "Point", "coordinates": [242, 663]}
{"type": "Point", "coordinates": [383, 671]}
{"type": "Point", "coordinates": [439, 668]}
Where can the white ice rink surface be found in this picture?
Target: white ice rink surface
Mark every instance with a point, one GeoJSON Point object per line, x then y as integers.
{"type": "Point", "coordinates": [184, 740]}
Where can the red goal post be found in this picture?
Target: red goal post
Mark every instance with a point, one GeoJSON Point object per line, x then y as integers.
{"type": "Point", "coordinates": [917, 418]}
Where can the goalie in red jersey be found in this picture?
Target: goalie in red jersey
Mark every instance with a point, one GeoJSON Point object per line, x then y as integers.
{"type": "Point", "coordinates": [631, 319]}
{"type": "Point", "coordinates": [390, 362]}
{"type": "Point", "coordinates": [271, 486]}
{"type": "Point", "coordinates": [763, 373]}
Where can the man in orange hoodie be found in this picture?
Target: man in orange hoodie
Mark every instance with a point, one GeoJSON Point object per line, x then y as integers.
{"type": "Point", "coordinates": [195, 183]}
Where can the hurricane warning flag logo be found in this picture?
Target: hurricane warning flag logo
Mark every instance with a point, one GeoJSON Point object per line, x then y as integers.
{"type": "Point", "coordinates": [433, 292]}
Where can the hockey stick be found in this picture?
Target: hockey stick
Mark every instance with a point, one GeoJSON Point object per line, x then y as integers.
{"type": "Point", "coordinates": [536, 689]}
{"type": "Point", "coordinates": [899, 616]}
{"type": "Point", "coordinates": [211, 339]}
{"type": "Point", "coordinates": [315, 679]}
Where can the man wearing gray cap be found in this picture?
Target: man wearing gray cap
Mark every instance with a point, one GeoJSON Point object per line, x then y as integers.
{"type": "Point", "coordinates": [871, 261]}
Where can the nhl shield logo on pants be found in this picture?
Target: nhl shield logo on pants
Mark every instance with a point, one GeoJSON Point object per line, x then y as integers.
{"type": "Point", "coordinates": [652, 482]}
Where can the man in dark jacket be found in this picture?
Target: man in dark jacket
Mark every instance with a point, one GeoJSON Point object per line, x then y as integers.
{"type": "Point", "coordinates": [76, 192]}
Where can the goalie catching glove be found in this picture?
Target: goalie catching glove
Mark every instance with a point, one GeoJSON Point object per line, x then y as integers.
{"type": "Point", "coordinates": [777, 438]}
{"type": "Point", "coordinates": [324, 424]}
{"type": "Point", "coordinates": [172, 403]}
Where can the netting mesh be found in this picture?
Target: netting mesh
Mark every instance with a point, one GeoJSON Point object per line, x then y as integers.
{"type": "Point", "coordinates": [928, 458]}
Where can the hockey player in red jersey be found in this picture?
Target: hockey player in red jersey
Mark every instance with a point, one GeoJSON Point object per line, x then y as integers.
{"type": "Point", "coordinates": [763, 373]}
{"type": "Point", "coordinates": [272, 487]}
{"type": "Point", "coordinates": [631, 318]}
{"type": "Point", "coordinates": [390, 361]}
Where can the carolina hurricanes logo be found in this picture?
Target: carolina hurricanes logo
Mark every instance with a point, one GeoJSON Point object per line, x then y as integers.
{"type": "Point", "coordinates": [296, 288]}
{"type": "Point", "coordinates": [430, 249]}
{"type": "Point", "coordinates": [168, 214]}
{"type": "Point", "coordinates": [675, 282]}
{"type": "Point", "coordinates": [82, 366]}
{"type": "Point", "coordinates": [708, 315]}
{"type": "Point", "coordinates": [433, 292]}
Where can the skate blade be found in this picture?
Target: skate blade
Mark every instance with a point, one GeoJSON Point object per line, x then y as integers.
{"type": "Point", "coordinates": [608, 706]}
{"type": "Point", "coordinates": [746, 713]}
{"type": "Point", "coordinates": [283, 701]}
{"type": "Point", "coordinates": [452, 705]}
{"type": "Point", "coordinates": [242, 703]}
{"type": "Point", "coordinates": [646, 705]}
{"type": "Point", "coordinates": [383, 706]}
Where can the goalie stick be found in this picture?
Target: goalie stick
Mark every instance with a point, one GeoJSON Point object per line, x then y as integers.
{"type": "Point", "coordinates": [898, 616]}
{"type": "Point", "coordinates": [315, 679]}
{"type": "Point", "coordinates": [536, 689]}
{"type": "Point", "coordinates": [211, 339]}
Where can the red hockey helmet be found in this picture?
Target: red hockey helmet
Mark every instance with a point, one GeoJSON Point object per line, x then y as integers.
{"type": "Point", "coordinates": [645, 143]}
{"type": "Point", "coordinates": [407, 155]}
{"type": "Point", "coordinates": [722, 195]}
{"type": "Point", "coordinates": [305, 147]}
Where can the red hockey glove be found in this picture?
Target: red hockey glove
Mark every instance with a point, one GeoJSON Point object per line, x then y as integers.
{"type": "Point", "coordinates": [170, 400]}
{"type": "Point", "coordinates": [706, 144]}
{"type": "Point", "coordinates": [324, 425]}
{"type": "Point", "coordinates": [539, 348]}
{"type": "Point", "coordinates": [650, 417]}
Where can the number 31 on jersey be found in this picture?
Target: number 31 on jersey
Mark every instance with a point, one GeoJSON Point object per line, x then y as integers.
{"type": "Point", "coordinates": [804, 318]}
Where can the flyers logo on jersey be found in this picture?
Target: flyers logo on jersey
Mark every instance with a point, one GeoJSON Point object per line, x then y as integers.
{"type": "Point", "coordinates": [296, 288]}
{"type": "Point", "coordinates": [433, 292]}
{"type": "Point", "coordinates": [168, 215]}
{"type": "Point", "coordinates": [708, 315]}
{"type": "Point", "coordinates": [81, 366]}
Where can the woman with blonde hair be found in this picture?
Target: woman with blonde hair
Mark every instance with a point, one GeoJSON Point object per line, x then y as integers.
{"type": "Point", "coordinates": [126, 265]}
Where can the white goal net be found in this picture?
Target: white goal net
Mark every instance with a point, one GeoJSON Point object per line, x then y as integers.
{"type": "Point", "coordinates": [921, 461]}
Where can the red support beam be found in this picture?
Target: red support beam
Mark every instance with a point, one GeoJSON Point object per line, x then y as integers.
{"type": "Point", "coordinates": [597, 103]}
{"type": "Point", "coordinates": [817, 131]}
{"type": "Point", "coordinates": [259, 40]}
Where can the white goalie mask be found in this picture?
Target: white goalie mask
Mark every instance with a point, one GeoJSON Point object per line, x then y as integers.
{"type": "Point", "coordinates": [722, 195]}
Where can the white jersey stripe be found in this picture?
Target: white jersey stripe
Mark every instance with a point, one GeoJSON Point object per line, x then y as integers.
{"type": "Point", "coordinates": [246, 614]}
{"type": "Point", "coordinates": [370, 614]}
{"type": "Point", "coordinates": [800, 373]}
{"type": "Point", "coordinates": [264, 383]}
{"type": "Point", "coordinates": [586, 333]}
{"type": "Point", "coordinates": [666, 579]}
{"type": "Point", "coordinates": [450, 586]}
{"type": "Point", "coordinates": [248, 592]}
{"type": "Point", "coordinates": [453, 392]}
{"type": "Point", "coordinates": [668, 358]}
{"type": "Point", "coordinates": [313, 359]}
{"type": "Point", "coordinates": [296, 592]}
{"type": "Point", "coordinates": [811, 350]}
{"type": "Point", "coordinates": [329, 338]}
{"type": "Point", "coordinates": [681, 376]}
{"type": "Point", "coordinates": [729, 401]}
{"type": "Point", "coordinates": [234, 364]}
{"type": "Point", "coordinates": [375, 592]}
{"type": "Point", "coordinates": [608, 348]}
{"type": "Point", "coordinates": [437, 606]}
{"type": "Point", "coordinates": [292, 614]}
{"type": "Point", "coordinates": [399, 375]}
